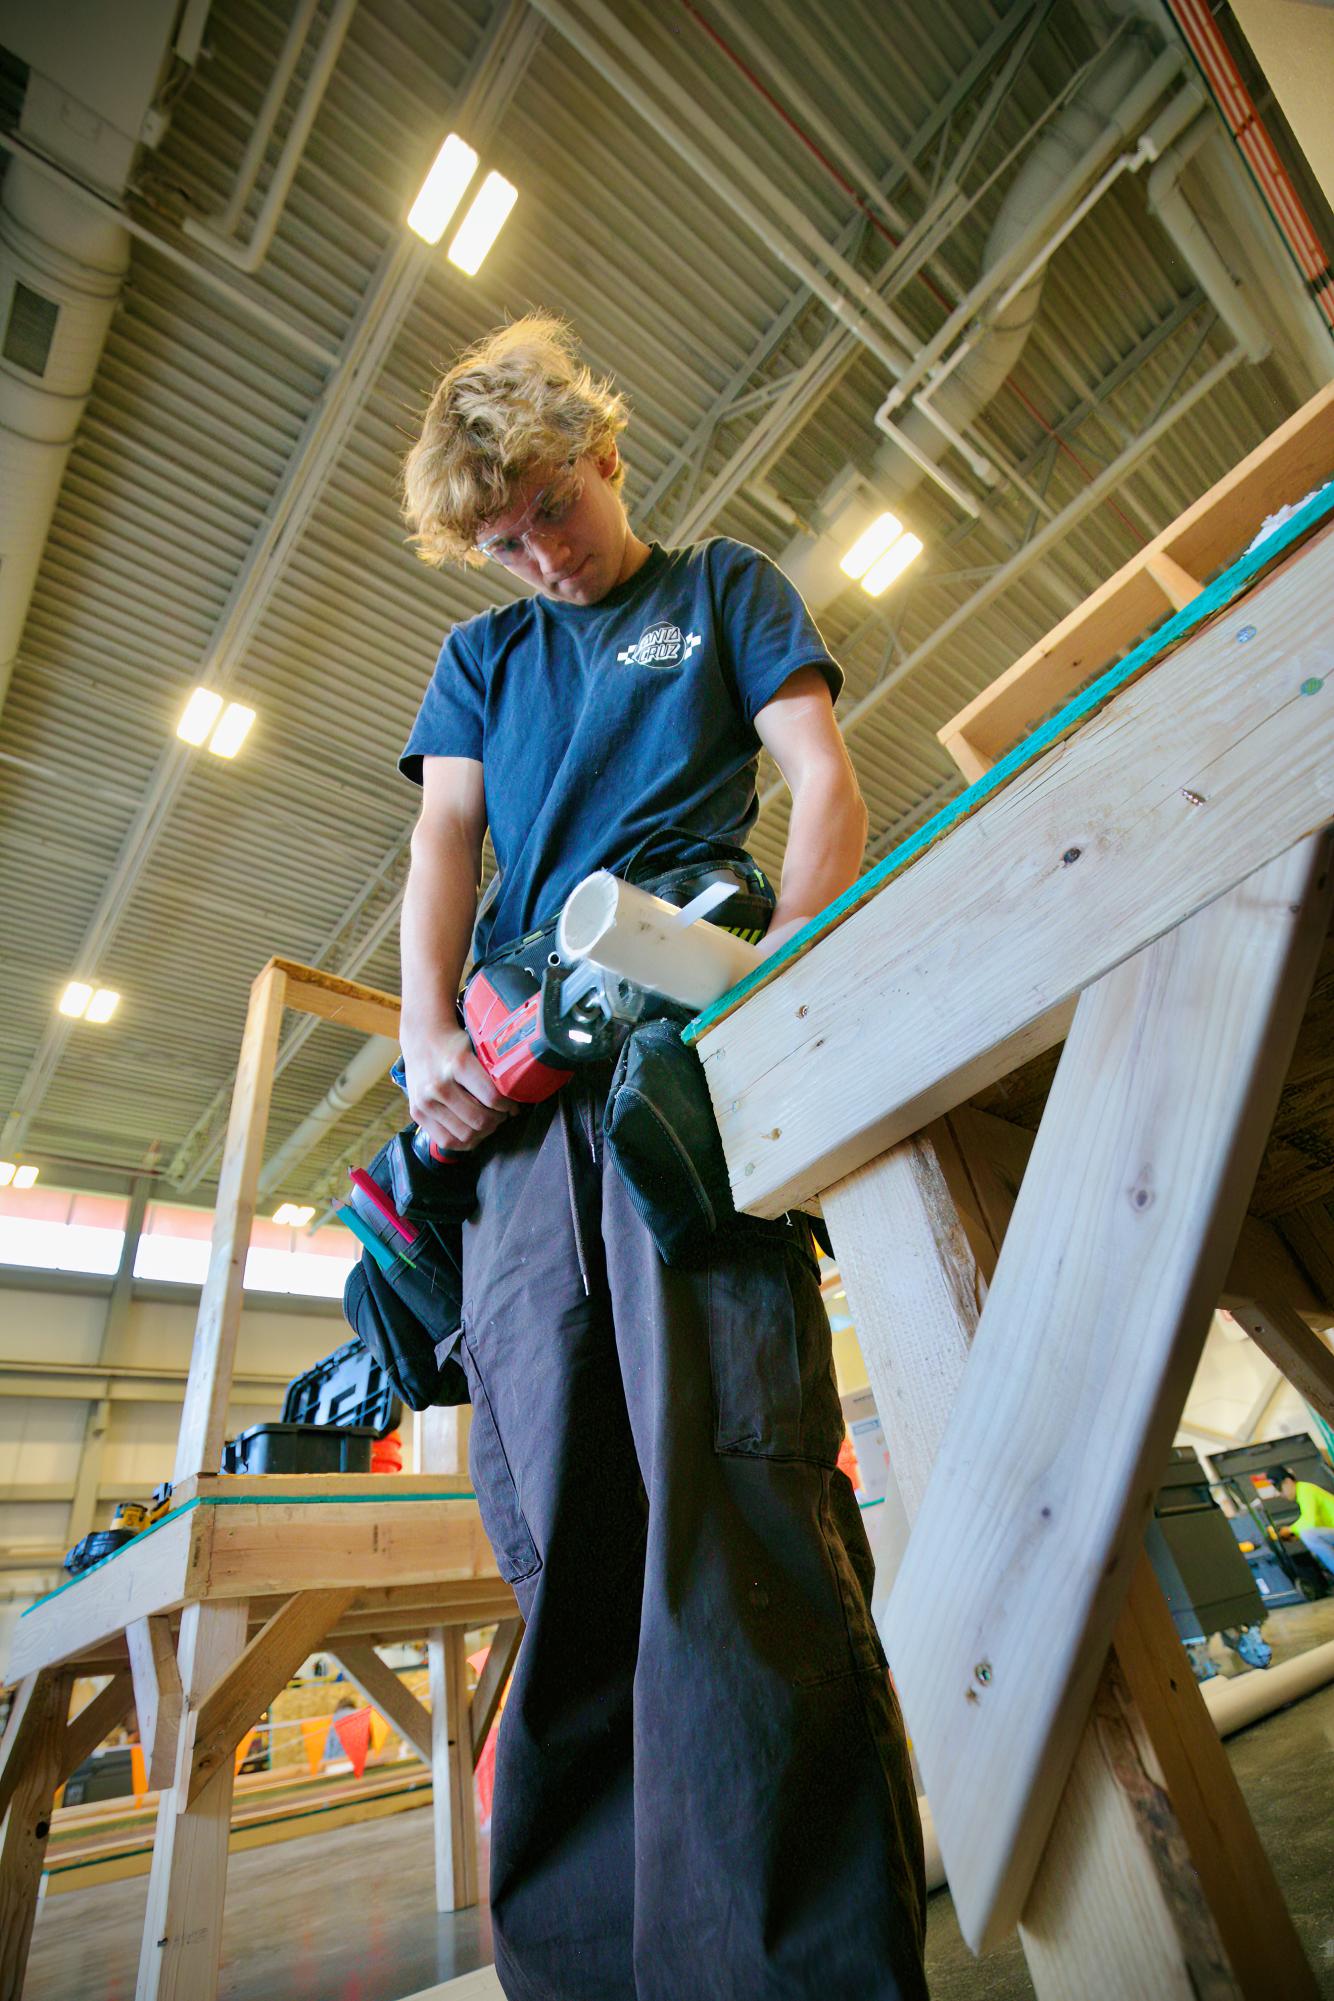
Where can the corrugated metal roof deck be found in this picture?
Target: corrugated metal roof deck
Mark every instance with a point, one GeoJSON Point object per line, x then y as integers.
{"type": "Point", "coordinates": [196, 413]}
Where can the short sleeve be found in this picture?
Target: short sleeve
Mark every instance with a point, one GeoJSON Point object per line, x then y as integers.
{"type": "Point", "coordinates": [768, 631]}
{"type": "Point", "coordinates": [450, 721]}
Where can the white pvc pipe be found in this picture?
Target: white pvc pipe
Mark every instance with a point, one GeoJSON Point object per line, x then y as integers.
{"type": "Point", "coordinates": [249, 256]}
{"type": "Point", "coordinates": [626, 931]}
{"type": "Point", "coordinates": [258, 144]}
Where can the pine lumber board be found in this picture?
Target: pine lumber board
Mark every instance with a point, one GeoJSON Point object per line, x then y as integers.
{"type": "Point", "coordinates": [158, 1695]}
{"type": "Point", "coordinates": [1308, 1233]}
{"type": "Point", "coordinates": [1299, 1353]}
{"type": "Point", "coordinates": [1284, 468]}
{"type": "Point", "coordinates": [1091, 1331]}
{"type": "Point", "coordinates": [27, 1823]}
{"type": "Point", "coordinates": [1116, 1909]}
{"type": "Point", "coordinates": [385, 1692]}
{"type": "Point", "coordinates": [454, 1813]}
{"type": "Point", "coordinates": [182, 1939]}
{"type": "Point", "coordinates": [212, 1358]}
{"type": "Point", "coordinates": [157, 1572]}
{"type": "Point", "coordinates": [95, 1722]}
{"type": "Point", "coordinates": [968, 961]}
{"type": "Point", "coordinates": [1235, 1872]}
{"type": "Point", "coordinates": [391, 1488]}
{"type": "Point", "coordinates": [493, 1681]}
{"type": "Point", "coordinates": [328, 996]}
{"type": "Point", "coordinates": [280, 1548]}
{"type": "Point", "coordinates": [246, 1687]}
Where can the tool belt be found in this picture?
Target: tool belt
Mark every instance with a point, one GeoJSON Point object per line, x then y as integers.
{"type": "Point", "coordinates": [404, 1300]}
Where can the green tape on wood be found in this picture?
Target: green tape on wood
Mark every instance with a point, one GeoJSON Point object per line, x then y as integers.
{"type": "Point", "coordinates": [1229, 584]}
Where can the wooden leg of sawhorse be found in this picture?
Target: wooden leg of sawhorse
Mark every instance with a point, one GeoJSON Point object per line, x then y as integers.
{"type": "Point", "coordinates": [453, 1810]}
{"type": "Point", "coordinates": [182, 1943]}
{"type": "Point", "coordinates": [36, 1741]}
{"type": "Point", "coordinates": [1152, 1842]}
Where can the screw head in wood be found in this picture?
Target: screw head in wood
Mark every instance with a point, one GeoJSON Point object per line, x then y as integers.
{"type": "Point", "coordinates": [1246, 632]}
{"type": "Point", "coordinates": [983, 1673]}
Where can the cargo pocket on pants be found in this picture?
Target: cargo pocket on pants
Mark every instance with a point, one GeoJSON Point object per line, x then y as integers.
{"type": "Point", "coordinates": [497, 1494]}
{"type": "Point", "coordinates": [770, 1354]}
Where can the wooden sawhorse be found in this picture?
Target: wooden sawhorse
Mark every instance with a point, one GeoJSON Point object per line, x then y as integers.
{"type": "Point", "coordinates": [205, 1617]}
{"type": "Point", "coordinates": [1147, 877]}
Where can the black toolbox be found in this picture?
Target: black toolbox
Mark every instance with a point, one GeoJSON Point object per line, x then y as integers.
{"type": "Point", "coordinates": [331, 1417]}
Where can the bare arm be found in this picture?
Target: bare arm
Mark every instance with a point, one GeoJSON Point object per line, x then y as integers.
{"type": "Point", "coordinates": [449, 1093]}
{"type": "Point", "coordinates": [827, 829]}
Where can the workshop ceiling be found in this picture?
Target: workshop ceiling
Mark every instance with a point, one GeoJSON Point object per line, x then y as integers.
{"type": "Point", "coordinates": [191, 872]}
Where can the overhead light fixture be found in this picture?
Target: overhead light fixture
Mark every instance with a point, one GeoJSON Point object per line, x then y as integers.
{"type": "Point", "coordinates": [232, 731]}
{"type": "Point", "coordinates": [443, 189]}
{"type": "Point", "coordinates": [892, 564]}
{"type": "Point", "coordinates": [84, 1003]}
{"type": "Point", "coordinates": [206, 721]}
{"type": "Point", "coordinates": [871, 545]}
{"type": "Point", "coordinates": [201, 712]}
{"type": "Point", "coordinates": [483, 223]}
{"type": "Point", "coordinates": [293, 1215]}
{"type": "Point", "coordinates": [8, 1169]}
{"type": "Point", "coordinates": [21, 1177]}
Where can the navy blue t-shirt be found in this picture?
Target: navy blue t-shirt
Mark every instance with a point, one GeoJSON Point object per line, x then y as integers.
{"type": "Point", "coordinates": [600, 725]}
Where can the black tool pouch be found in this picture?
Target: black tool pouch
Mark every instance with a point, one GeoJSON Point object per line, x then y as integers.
{"type": "Point", "coordinates": [661, 1133]}
{"type": "Point", "coordinates": [663, 1139]}
{"type": "Point", "coordinates": [410, 1318]}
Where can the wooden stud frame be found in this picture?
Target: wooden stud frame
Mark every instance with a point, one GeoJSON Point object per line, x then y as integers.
{"type": "Point", "coordinates": [1111, 1832]}
{"type": "Point", "coordinates": [205, 1616]}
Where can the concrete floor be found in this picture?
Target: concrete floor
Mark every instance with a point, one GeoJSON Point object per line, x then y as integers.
{"type": "Point", "coordinates": [348, 1916]}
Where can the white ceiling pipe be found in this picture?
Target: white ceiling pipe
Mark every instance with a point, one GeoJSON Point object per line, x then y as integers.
{"type": "Point", "coordinates": [74, 261]}
{"type": "Point", "coordinates": [1042, 543]}
{"type": "Point", "coordinates": [738, 160]}
{"type": "Point", "coordinates": [756, 43]}
{"type": "Point", "coordinates": [202, 273]}
{"type": "Point", "coordinates": [591, 47]}
{"type": "Point", "coordinates": [1169, 204]}
{"type": "Point", "coordinates": [249, 256]}
{"type": "Point", "coordinates": [368, 1067]}
{"type": "Point", "coordinates": [274, 97]}
{"type": "Point", "coordinates": [1051, 161]}
{"type": "Point", "coordinates": [1116, 96]}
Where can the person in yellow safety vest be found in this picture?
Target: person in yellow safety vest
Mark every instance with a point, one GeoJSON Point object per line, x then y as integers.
{"type": "Point", "coordinates": [1314, 1525]}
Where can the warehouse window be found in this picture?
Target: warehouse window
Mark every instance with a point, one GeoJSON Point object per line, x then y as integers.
{"type": "Point", "coordinates": [53, 1229]}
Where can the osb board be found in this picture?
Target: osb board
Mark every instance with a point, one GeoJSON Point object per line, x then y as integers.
{"type": "Point", "coordinates": [1298, 1165]}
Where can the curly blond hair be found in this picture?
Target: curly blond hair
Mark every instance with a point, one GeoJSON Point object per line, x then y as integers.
{"type": "Point", "coordinates": [519, 399]}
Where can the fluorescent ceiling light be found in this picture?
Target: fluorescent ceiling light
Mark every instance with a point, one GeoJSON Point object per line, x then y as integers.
{"type": "Point", "coordinates": [24, 1177]}
{"type": "Point", "coordinates": [896, 560]}
{"type": "Point", "coordinates": [74, 1001]}
{"type": "Point", "coordinates": [873, 543]}
{"type": "Point", "coordinates": [8, 1169]}
{"type": "Point", "coordinates": [483, 223]}
{"type": "Point", "coordinates": [293, 1215]}
{"type": "Point", "coordinates": [102, 1005]}
{"type": "Point", "coordinates": [443, 189]}
{"type": "Point", "coordinates": [201, 712]}
{"type": "Point", "coordinates": [231, 732]}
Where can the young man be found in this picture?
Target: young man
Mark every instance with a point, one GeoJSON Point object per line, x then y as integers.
{"type": "Point", "coordinates": [1314, 1525]}
{"type": "Point", "coordinates": [702, 1791]}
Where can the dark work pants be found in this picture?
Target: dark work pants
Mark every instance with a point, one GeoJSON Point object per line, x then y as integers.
{"type": "Point", "coordinates": [702, 1788]}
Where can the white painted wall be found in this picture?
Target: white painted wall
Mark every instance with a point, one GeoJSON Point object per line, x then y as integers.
{"type": "Point", "coordinates": [41, 1437]}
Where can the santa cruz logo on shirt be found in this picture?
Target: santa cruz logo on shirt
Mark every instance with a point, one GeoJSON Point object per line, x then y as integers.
{"type": "Point", "coordinates": [660, 646]}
